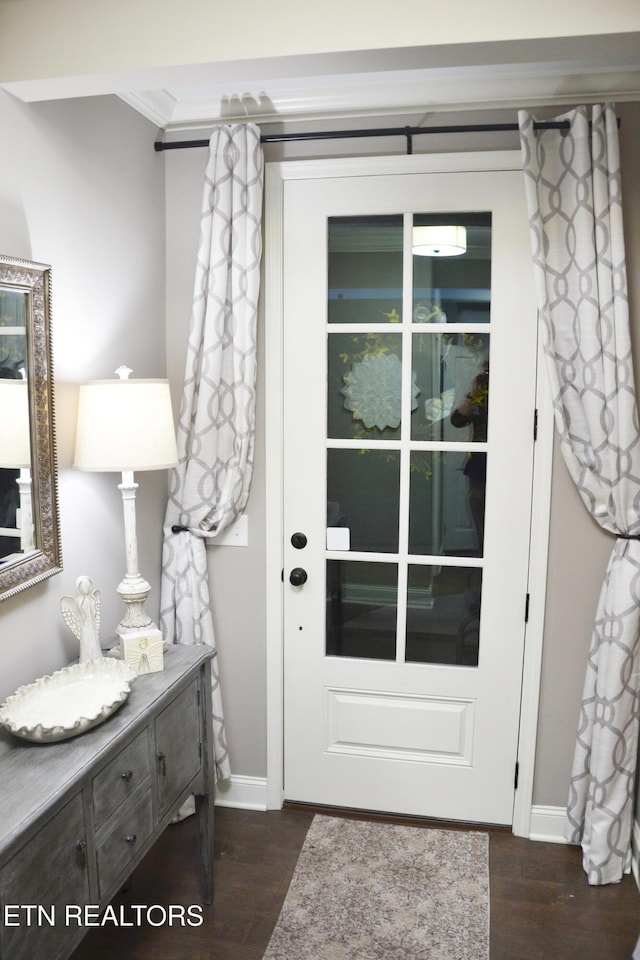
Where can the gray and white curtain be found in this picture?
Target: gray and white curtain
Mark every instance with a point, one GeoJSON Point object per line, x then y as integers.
{"type": "Point", "coordinates": [210, 486]}
{"type": "Point", "coordinates": [572, 181]}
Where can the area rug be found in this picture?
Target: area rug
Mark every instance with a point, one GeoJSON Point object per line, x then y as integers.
{"type": "Point", "coordinates": [374, 891]}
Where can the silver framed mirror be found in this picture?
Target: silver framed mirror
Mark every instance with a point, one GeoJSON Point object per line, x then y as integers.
{"type": "Point", "coordinates": [29, 521]}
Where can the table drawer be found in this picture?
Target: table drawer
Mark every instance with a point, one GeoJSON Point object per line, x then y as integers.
{"type": "Point", "coordinates": [117, 852]}
{"type": "Point", "coordinates": [120, 778]}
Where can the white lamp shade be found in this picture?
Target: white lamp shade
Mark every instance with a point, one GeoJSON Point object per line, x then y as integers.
{"type": "Point", "coordinates": [439, 241]}
{"type": "Point", "coordinates": [15, 437]}
{"type": "Point", "coordinates": [125, 425]}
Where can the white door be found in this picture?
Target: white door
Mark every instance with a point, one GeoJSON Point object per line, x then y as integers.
{"type": "Point", "coordinates": [406, 527]}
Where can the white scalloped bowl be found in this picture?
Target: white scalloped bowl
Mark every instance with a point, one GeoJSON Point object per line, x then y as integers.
{"type": "Point", "coordinates": [68, 702]}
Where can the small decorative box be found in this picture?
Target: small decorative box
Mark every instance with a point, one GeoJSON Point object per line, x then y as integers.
{"type": "Point", "coordinates": [142, 650]}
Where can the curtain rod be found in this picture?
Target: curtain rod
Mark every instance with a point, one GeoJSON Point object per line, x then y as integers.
{"type": "Point", "coordinates": [407, 132]}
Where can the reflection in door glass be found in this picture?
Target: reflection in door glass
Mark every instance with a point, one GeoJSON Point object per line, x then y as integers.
{"type": "Point", "coordinates": [363, 490]}
{"type": "Point", "coordinates": [454, 289]}
{"type": "Point", "coordinates": [448, 489]}
{"type": "Point", "coordinates": [446, 503]}
{"type": "Point", "coordinates": [361, 609]}
{"type": "Point", "coordinates": [443, 615]}
{"type": "Point", "coordinates": [364, 386]}
{"type": "Point", "coordinates": [452, 371]}
{"type": "Point", "coordinates": [365, 269]}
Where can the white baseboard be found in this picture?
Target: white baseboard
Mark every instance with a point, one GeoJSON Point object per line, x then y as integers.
{"type": "Point", "coordinates": [548, 824]}
{"type": "Point", "coordinates": [245, 793]}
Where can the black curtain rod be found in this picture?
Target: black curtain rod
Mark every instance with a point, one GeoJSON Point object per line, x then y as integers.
{"type": "Point", "coordinates": [407, 132]}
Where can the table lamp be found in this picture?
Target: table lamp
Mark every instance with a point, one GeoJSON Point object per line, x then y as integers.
{"type": "Point", "coordinates": [127, 425]}
{"type": "Point", "coordinates": [15, 449]}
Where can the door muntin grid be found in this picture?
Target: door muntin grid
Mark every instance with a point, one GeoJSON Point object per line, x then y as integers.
{"type": "Point", "coordinates": [408, 346]}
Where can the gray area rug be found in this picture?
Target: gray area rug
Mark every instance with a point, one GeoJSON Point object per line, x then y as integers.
{"type": "Point", "coordinates": [375, 891]}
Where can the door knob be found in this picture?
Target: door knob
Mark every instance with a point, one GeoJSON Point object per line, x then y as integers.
{"type": "Point", "coordinates": [299, 540]}
{"type": "Point", "coordinates": [298, 576]}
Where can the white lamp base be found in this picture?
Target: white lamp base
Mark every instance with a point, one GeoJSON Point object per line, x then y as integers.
{"type": "Point", "coordinates": [133, 591]}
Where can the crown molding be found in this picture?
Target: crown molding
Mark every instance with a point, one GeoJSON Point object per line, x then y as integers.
{"type": "Point", "coordinates": [378, 94]}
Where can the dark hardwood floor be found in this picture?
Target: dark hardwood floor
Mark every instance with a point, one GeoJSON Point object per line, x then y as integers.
{"type": "Point", "coordinates": [541, 905]}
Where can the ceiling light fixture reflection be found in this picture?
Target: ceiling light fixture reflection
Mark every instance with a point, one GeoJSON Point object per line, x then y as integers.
{"type": "Point", "coordinates": [439, 241]}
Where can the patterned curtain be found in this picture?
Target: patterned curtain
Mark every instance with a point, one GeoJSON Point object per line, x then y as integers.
{"type": "Point", "coordinates": [210, 487]}
{"type": "Point", "coordinates": [573, 189]}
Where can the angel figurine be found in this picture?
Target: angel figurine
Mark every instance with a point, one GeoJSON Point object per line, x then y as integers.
{"type": "Point", "coordinates": [82, 615]}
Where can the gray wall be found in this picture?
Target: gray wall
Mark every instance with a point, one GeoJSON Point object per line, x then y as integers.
{"type": "Point", "coordinates": [81, 189]}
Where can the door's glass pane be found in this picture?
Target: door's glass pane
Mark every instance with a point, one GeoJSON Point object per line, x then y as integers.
{"type": "Point", "coordinates": [363, 488]}
{"type": "Point", "coordinates": [453, 288]}
{"type": "Point", "coordinates": [365, 269]}
{"type": "Point", "coordinates": [361, 609]}
{"type": "Point", "coordinates": [446, 506]}
{"type": "Point", "coordinates": [452, 373]}
{"type": "Point", "coordinates": [443, 615]}
{"type": "Point", "coordinates": [364, 386]}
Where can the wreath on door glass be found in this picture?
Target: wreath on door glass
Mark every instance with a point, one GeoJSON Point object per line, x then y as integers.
{"type": "Point", "coordinates": [373, 393]}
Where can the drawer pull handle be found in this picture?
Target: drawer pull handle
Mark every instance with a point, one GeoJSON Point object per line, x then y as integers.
{"type": "Point", "coordinates": [81, 849]}
{"type": "Point", "coordinates": [131, 839]}
{"type": "Point", "coordinates": [163, 761]}
{"type": "Point", "coordinates": [127, 775]}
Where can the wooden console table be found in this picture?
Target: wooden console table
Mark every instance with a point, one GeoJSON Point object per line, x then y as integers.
{"type": "Point", "coordinates": [77, 816]}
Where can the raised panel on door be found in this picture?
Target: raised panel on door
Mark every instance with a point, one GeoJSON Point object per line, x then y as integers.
{"type": "Point", "coordinates": [404, 645]}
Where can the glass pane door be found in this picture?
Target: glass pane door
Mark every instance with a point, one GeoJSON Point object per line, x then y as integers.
{"type": "Point", "coordinates": [408, 333]}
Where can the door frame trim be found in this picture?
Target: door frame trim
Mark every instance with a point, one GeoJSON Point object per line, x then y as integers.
{"type": "Point", "coordinates": [276, 175]}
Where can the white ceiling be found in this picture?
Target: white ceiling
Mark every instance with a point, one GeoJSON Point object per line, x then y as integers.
{"type": "Point", "coordinates": [418, 80]}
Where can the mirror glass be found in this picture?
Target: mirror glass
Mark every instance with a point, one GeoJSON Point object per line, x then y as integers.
{"type": "Point", "coordinates": [16, 495]}
{"type": "Point", "coordinates": [29, 532]}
